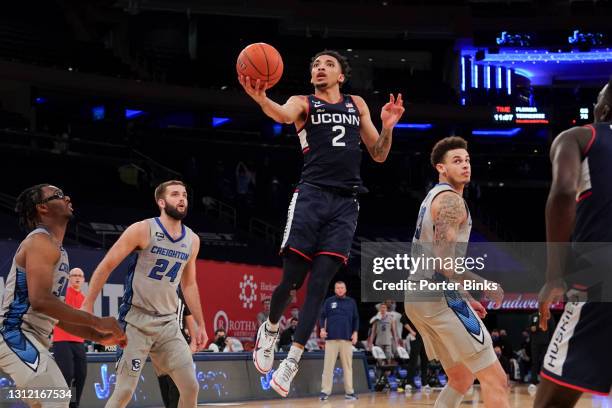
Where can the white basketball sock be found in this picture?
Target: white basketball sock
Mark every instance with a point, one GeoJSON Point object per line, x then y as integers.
{"type": "Point", "coordinates": [448, 398]}
{"type": "Point", "coordinates": [295, 353]}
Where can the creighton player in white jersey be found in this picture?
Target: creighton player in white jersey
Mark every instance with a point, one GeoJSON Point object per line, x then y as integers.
{"type": "Point", "coordinates": [166, 252]}
{"type": "Point", "coordinates": [33, 304]}
{"type": "Point", "coordinates": [449, 323]}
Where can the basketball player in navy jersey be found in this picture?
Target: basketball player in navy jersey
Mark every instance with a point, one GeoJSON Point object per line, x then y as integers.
{"type": "Point", "coordinates": [323, 212]}
{"type": "Point", "coordinates": [578, 210]}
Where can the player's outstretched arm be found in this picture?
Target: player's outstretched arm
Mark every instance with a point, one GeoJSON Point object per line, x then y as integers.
{"type": "Point", "coordinates": [290, 112]}
{"type": "Point", "coordinates": [40, 256]}
{"type": "Point", "coordinates": [448, 212]}
{"type": "Point", "coordinates": [379, 145]}
{"type": "Point", "coordinates": [134, 237]}
{"type": "Point", "coordinates": [189, 286]}
{"type": "Point", "coordinates": [89, 333]}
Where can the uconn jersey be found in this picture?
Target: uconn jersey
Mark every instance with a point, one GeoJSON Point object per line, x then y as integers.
{"type": "Point", "coordinates": [586, 327]}
{"type": "Point", "coordinates": [154, 276]}
{"type": "Point", "coordinates": [594, 197]}
{"type": "Point", "coordinates": [425, 229]}
{"type": "Point", "coordinates": [330, 141]}
{"type": "Point", "coordinates": [17, 315]}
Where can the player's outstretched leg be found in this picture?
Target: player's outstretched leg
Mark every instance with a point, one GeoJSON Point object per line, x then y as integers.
{"type": "Point", "coordinates": [187, 384]}
{"type": "Point", "coordinates": [460, 379]}
{"type": "Point", "coordinates": [551, 395]}
{"type": "Point", "coordinates": [295, 269]}
{"type": "Point", "coordinates": [494, 384]}
{"type": "Point", "coordinates": [324, 267]}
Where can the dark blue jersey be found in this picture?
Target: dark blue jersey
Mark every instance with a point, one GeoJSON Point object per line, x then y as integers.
{"type": "Point", "coordinates": [331, 142]}
{"type": "Point", "coordinates": [594, 198]}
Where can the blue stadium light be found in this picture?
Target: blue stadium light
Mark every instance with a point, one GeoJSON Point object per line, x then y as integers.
{"type": "Point", "coordinates": [517, 39]}
{"type": "Point", "coordinates": [475, 83]}
{"type": "Point", "coordinates": [535, 56]}
{"type": "Point", "coordinates": [523, 72]}
{"type": "Point", "coordinates": [219, 121]}
{"type": "Point", "coordinates": [40, 100]}
{"type": "Point", "coordinates": [133, 113]}
{"type": "Point", "coordinates": [499, 78]}
{"type": "Point", "coordinates": [98, 112]}
{"type": "Point", "coordinates": [497, 132]}
{"type": "Point", "coordinates": [277, 129]}
{"type": "Point", "coordinates": [463, 101]}
{"type": "Point", "coordinates": [509, 81]}
{"type": "Point", "coordinates": [488, 77]}
{"type": "Point", "coordinates": [416, 126]}
{"type": "Point", "coordinates": [462, 74]}
{"type": "Point", "coordinates": [585, 38]}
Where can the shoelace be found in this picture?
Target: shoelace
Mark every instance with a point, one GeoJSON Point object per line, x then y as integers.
{"type": "Point", "coordinates": [270, 338]}
{"type": "Point", "coordinates": [287, 372]}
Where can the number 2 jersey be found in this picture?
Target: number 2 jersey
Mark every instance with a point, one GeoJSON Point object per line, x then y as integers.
{"type": "Point", "coordinates": [16, 313]}
{"type": "Point", "coordinates": [155, 273]}
{"type": "Point", "coordinates": [331, 144]}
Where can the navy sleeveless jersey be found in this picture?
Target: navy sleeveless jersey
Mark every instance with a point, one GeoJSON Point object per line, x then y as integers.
{"type": "Point", "coordinates": [331, 144]}
{"type": "Point", "coordinates": [594, 198]}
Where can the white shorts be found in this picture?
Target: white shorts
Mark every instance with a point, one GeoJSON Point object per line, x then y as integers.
{"type": "Point", "coordinates": [31, 366]}
{"type": "Point", "coordinates": [452, 332]}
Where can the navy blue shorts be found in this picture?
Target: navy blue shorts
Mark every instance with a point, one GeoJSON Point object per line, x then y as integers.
{"type": "Point", "coordinates": [320, 222]}
{"type": "Point", "coordinates": [579, 355]}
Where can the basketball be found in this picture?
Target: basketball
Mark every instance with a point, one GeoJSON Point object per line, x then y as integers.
{"type": "Point", "coordinates": [260, 61]}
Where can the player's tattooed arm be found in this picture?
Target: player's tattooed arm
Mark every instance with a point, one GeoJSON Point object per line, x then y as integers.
{"type": "Point", "coordinates": [448, 210]}
{"type": "Point", "coordinates": [379, 144]}
{"type": "Point", "coordinates": [382, 146]}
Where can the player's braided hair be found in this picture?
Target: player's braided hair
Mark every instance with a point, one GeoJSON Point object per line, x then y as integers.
{"type": "Point", "coordinates": [342, 60]}
{"type": "Point", "coordinates": [26, 206]}
{"type": "Point", "coordinates": [444, 145]}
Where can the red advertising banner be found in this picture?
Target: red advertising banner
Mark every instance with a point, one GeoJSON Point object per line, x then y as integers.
{"type": "Point", "coordinates": [232, 296]}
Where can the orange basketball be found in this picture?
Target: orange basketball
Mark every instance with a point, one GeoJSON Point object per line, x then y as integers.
{"type": "Point", "coordinates": [260, 61]}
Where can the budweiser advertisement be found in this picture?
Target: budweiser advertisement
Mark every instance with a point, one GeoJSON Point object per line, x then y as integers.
{"type": "Point", "coordinates": [233, 296]}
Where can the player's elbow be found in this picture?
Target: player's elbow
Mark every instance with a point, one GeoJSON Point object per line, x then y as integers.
{"type": "Point", "coordinates": [378, 157]}
{"type": "Point", "coordinates": [562, 193]}
{"type": "Point", "coordinates": [39, 304]}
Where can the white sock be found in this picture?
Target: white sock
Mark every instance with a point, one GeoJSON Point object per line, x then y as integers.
{"type": "Point", "coordinates": [448, 398]}
{"type": "Point", "coordinates": [271, 327]}
{"type": "Point", "coordinates": [295, 353]}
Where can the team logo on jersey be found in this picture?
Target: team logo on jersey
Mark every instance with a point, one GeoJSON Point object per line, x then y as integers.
{"type": "Point", "coordinates": [351, 110]}
{"type": "Point", "coordinates": [318, 104]}
{"type": "Point", "coordinates": [247, 291]}
{"type": "Point", "coordinates": [136, 364]}
{"type": "Point", "coordinates": [348, 105]}
{"type": "Point", "coordinates": [183, 245]}
{"type": "Point", "coordinates": [159, 235]}
{"type": "Point", "coordinates": [320, 110]}
{"type": "Point", "coordinates": [334, 305]}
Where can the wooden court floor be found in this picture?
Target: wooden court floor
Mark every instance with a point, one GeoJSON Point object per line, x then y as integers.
{"type": "Point", "coordinates": [519, 398]}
